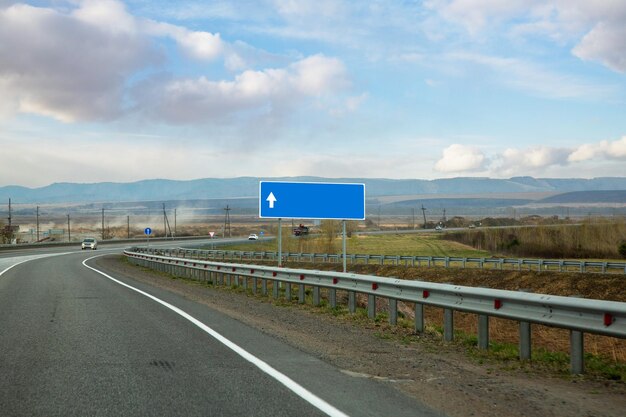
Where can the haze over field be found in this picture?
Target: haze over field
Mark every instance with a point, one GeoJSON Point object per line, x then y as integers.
{"type": "Point", "coordinates": [111, 90]}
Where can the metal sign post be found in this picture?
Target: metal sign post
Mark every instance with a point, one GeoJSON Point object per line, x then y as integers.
{"type": "Point", "coordinates": [148, 232]}
{"type": "Point", "coordinates": [280, 242]}
{"type": "Point", "coordinates": [344, 245]}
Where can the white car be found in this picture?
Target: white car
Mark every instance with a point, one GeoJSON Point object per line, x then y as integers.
{"type": "Point", "coordinates": [253, 237]}
{"type": "Point", "coordinates": [89, 243]}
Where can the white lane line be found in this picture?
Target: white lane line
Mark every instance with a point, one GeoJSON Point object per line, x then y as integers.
{"type": "Point", "coordinates": [298, 389]}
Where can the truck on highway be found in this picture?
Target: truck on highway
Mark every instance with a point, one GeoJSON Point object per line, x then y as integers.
{"type": "Point", "coordinates": [300, 230]}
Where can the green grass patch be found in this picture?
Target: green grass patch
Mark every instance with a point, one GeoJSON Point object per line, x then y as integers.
{"type": "Point", "coordinates": [418, 244]}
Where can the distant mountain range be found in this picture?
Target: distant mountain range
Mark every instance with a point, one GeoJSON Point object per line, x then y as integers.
{"type": "Point", "coordinates": [247, 187]}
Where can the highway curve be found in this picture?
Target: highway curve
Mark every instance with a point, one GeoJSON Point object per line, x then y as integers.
{"type": "Point", "coordinates": [75, 342]}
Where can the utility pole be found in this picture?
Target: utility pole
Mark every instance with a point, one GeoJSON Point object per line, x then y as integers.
{"type": "Point", "coordinates": [69, 232]}
{"type": "Point", "coordinates": [227, 221]}
{"type": "Point", "coordinates": [424, 214]}
{"type": "Point", "coordinates": [128, 227]}
{"type": "Point", "coordinates": [37, 223]}
{"type": "Point", "coordinates": [444, 215]}
{"type": "Point", "coordinates": [10, 227]}
{"type": "Point", "coordinates": [166, 222]}
{"type": "Point", "coordinates": [413, 218]}
{"type": "Point", "coordinates": [174, 223]}
{"type": "Point", "coordinates": [102, 223]}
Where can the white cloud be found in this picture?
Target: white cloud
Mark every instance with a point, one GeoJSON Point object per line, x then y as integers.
{"type": "Point", "coordinates": [109, 15]}
{"type": "Point", "coordinates": [596, 28]}
{"type": "Point", "coordinates": [528, 161]}
{"type": "Point", "coordinates": [532, 160]}
{"type": "Point", "coordinates": [60, 66]}
{"type": "Point", "coordinates": [196, 44]}
{"type": "Point", "coordinates": [605, 43]}
{"type": "Point", "coordinates": [266, 91]}
{"type": "Point", "coordinates": [80, 65]}
{"type": "Point", "coordinates": [474, 15]}
{"type": "Point", "coordinates": [604, 149]}
{"type": "Point", "coordinates": [460, 158]}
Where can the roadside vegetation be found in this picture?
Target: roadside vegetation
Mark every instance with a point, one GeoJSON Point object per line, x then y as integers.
{"type": "Point", "coordinates": [601, 239]}
{"type": "Point", "coordinates": [328, 240]}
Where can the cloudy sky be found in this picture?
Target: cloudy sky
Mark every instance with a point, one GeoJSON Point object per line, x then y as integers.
{"type": "Point", "coordinates": [111, 90]}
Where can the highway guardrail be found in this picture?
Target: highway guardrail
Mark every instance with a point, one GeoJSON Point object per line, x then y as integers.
{"type": "Point", "coordinates": [578, 315]}
{"type": "Point", "coordinates": [539, 265]}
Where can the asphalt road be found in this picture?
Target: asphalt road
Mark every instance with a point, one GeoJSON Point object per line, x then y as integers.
{"type": "Point", "coordinates": [76, 342]}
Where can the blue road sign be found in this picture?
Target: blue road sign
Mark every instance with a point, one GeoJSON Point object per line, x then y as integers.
{"type": "Point", "coordinates": [311, 200]}
{"type": "Point", "coordinates": [147, 231]}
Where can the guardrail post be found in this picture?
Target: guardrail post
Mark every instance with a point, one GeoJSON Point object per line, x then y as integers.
{"type": "Point", "coordinates": [483, 331]}
{"type": "Point", "coordinates": [447, 262]}
{"type": "Point", "coordinates": [245, 282]}
{"type": "Point", "coordinates": [448, 324]}
{"type": "Point", "coordinates": [419, 318]}
{"type": "Point", "coordinates": [524, 340]}
{"type": "Point", "coordinates": [275, 289]}
{"type": "Point", "coordinates": [288, 291]}
{"type": "Point", "coordinates": [371, 306]}
{"type": "Point", "coordinates": [577, 350]}
{"type": "Point", "coordinates": [255, 285]}
{"type": "Point", "coordinates": [264, 286]}
{"type": "Point", "coordinates": [301, 294]}
{"type": "Point", "coordinates": [352, 301]}
{"type": "Point", "coordinates": [316, 296]}
{"type": "Point", "coordinates": [332, 297]}
{"type": "Point", "coordinates": [393, 311]}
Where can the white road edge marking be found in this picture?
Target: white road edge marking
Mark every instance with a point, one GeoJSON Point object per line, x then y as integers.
{"type": "Point", "coordinates": [292, 385]}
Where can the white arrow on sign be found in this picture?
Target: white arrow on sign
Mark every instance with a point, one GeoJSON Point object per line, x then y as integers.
{"type": "Point", "coordinates": [271, 199]}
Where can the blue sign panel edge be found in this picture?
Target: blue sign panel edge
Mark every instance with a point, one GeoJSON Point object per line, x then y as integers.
{"type": "Point", "coordinates": [310, 217]}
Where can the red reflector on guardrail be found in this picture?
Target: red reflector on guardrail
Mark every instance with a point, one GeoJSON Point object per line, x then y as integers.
{"type": "Point", "coordinates": [274, 273]}
{"type": "Point", "coordinates": [608, 319]}
{"type": "Point", "coordinates": [252, 271]}
{"type": "Point", "coordinates": [219, 267]}
{"type": "Point", "coordinates": [497, 304]}
{"type": "Point", "coordinates": [301, 277]}
{"type": "Point", "coordinates": [425, 294]}
{"type": "Point", "coordinates": [335, 280]}
{"type": "Point", "coordinates": [205, 266]}
{"type": "Point", "coordinates": [374, 286]}
{"type": "Point", "coordinates": [234, 269]}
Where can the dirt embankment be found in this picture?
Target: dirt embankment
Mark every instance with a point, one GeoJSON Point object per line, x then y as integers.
{"type": "Point", "coordinates": [438, 374]}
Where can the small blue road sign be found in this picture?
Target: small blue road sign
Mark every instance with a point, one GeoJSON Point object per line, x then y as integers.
{"type": "Point", "coordinates": [311, 200]}
{"type": "Point", "coordinates": [147, 231]}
